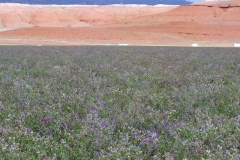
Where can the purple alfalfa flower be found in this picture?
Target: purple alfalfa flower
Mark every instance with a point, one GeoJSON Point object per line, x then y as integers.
{"type": "Point", "coordinates": [157, 132]}
{"type": "Point", "coordinates": [146, 141]}
{"type": "Point", "coordinates": [199, 99]}
{"type": "Point", "coordinates": [124, 112]}
{"type": "Point", "coordinates": [175, 125]}
{"type": "Point", "coordinates": [103, 126]}
{"type": "Point", "coordinates": [97, 154]}
{"type": "Point", "coordinates": [43, 156]}
{"type": "Point", "coordinates": [31, 105]}
{"type": "Point", "coordinates": [156, 157]}
{"type": "Point", "coordinates": [67, 98]}
{"type": "Point", "coordinates": [46, 120]}
{"type": "Point", "coordinates": [182, 124]}
{"type": "Point", "coordinates": [148, 132]}
{"type": "Point", "coordinates": [184, 87]}
{"type": "Point", "coordinates": [154, 135]}
{"type": "Point", "coordinates": [100, 103]}
{"type": "Point", "coordinates": [93, 109]}
{"type": "Point", "coordinates": [134, 135]}
{"type": "Point", "coordinates": [199, 152]}
{"type": "Point", "coordinates": [93, 128]}
{"type": "Point", "coordinates": [70, 126]}
{"type": "Point", "coordinates": [165, 126]}
{"type": "Point", "coordinates": [136, 119]}
{"type": "Point", "coordinates": [22, 107]}
{"type": "Point", "coordinates": [171, 133]}
{"type": "Point", "coordinates": [27, 131]}
{"type": "Point", "coordinates": [152, 128]}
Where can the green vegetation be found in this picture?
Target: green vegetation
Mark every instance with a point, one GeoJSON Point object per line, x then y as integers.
{"type": "Point", "coordinates": [119, 102]}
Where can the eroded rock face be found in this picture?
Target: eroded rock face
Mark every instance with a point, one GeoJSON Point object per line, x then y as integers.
{"type": "Point", "coordinates": [14, 16]}
{"type": "Point", "coordinates": [207, 23]}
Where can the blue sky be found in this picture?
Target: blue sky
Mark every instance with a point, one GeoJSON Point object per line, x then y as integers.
{"type": "Point", "coordinates": [195, 0]}
{"type": "Point", "coordinates": [202, 0]}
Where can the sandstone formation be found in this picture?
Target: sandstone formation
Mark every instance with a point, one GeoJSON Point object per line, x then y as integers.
{"type": "Point", "coordinates": [14, 16]}
{"type": "Point", "coordinates": [208, 24]}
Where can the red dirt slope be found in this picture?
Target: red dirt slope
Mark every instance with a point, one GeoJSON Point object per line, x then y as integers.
{"type": "Point", "coordinates": [14, 16]}
{"type": "Point", "coordinates": [209, 24]}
